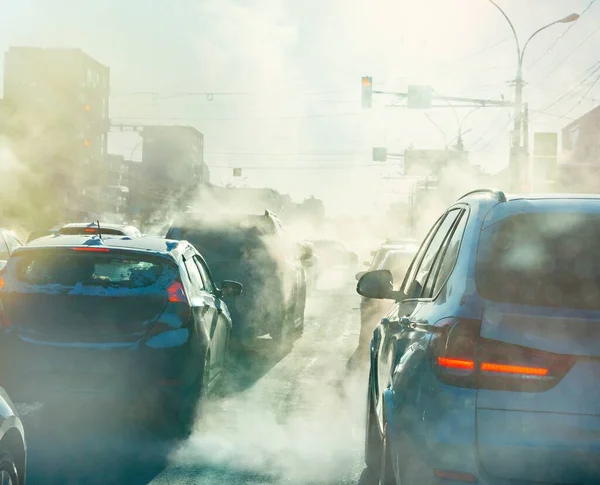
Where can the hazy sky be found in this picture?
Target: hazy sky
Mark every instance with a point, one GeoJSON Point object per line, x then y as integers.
{"type": "Point", "coordinates": [296, 68]}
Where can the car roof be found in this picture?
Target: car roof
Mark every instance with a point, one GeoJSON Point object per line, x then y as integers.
{"type": "Point", "coordinates": [407, 246]}
{"type": "Point", "coordinates": [147, 243]}
{"type": "Point", "coordinates": [554, 196]}
{"type": "Point", "coordinates": [83, 225]}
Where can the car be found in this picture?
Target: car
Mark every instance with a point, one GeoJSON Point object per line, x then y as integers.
{"type": "Point", "coordinates": [13, 447]}
{"type": "Point", "coordinates": [328, 254]}
{"type": "Point", "coordinates": [9, 242]}
{"type": "Point", "coordinates": [372, 310]}
{"type": "Point", "coordinates": [487, 367]}
{"type": "Point", "coordinates": [379, 254]}
{"type": "Point", "coordinates": [134, 321]}
{"type": "Point", "coordinates": [256, 250]}
{"type": "Point", "coordinates": [333, 254]}
{"type": "Point", "coordinates": [103, 229]}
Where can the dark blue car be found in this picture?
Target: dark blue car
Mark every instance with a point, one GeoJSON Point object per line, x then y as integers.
{"type": "Point", "coordinates": [487, 368]}
{"type": "Point", "coordinates": [138, 321]}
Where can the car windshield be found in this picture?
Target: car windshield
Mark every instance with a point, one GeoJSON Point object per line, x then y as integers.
{"type": "Point", "coordinates": [550, 260]}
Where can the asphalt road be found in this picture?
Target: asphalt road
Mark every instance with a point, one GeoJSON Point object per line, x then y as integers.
{"type": "Point", "coordinates": [296, 418]}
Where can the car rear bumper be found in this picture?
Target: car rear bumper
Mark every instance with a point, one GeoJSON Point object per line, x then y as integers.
{"type": "Point", "coordinates": [445, 434]}
{"type": "Point", "coordinates": [53, 374]}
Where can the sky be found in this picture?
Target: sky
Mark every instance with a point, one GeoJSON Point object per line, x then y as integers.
{"type": "Point", "coordinates": [285, 78]}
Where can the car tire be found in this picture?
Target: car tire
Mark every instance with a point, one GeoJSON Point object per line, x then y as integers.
{"type": "Point", "coordinates": [386, 471]}
{"type": "Point", "coordinates": [9, 475]}
{"type": "Point", "coordinates": [282, 328]}
{"type": "Point", "coordinates": [373, 438]}
{"type": "Point", "coordinates": [299, 315]}
{"type": "Point", "coordinates": [177, 414]}
{"type": "Point", "coordinates": [225, 384]}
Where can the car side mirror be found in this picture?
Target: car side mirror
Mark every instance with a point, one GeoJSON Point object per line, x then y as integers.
{"type": "Point", "coordinates": [231, 288]}
{"type": "Point", "coordinates": [378, 284]}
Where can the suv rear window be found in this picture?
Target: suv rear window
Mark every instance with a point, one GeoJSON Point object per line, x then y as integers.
{"type": "Point", "coordinates": [69, 269]}
{"type": "Point", "coordinates": [219, 243]}
{"type": "Point", "coordinates": [550, 260]}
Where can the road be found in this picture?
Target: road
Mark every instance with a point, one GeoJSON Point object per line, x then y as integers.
{"type": "Point", "coordinates": [296, 419]}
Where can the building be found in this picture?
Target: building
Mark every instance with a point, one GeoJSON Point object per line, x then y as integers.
{"type": "Point", "coordinates": [579, 168]}
{"type": "Point", "coordinates": [173, 165]}
{"type": "Point", "coordinates": [170, 154]}
{"type": "Point", "coordinates": [60, 101]}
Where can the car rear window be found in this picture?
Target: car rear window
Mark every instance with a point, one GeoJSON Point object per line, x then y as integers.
{"type": "Point", "coordinates": [69, 268]}
{"type": "Point", "coordinates": [224, 243]}
{"type": "Point", "coordinates": [72, 231]}
{"type": "Point", "coordinates": [550, 260]}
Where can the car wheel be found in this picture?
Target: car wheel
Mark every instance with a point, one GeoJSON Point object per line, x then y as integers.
{"type": "Point", "coordinates": [386, 471]}
{"type": "Point", "coordinates": [8, 470]}
{"type": "Point", "coordinates": [299, 315]}
{"type": "Point", "coordinates": [224, 385]}
{"type": "Point", "coordinates": [178, 412]}
{"type": "Point", "coordinates": [282, 328]}
{"type": "Point", "coordinates": [373, 438]}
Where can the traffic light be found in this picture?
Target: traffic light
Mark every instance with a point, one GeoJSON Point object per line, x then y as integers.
{"type": "Point", "coordinates": [367, 92]}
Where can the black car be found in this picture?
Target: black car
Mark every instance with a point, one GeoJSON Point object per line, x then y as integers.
{"type": "Point", "coordinates": [255, 250]}
{"type": "Point", "coordinates": [13, 447]}
{"type": "Point", "coordinates": [135, 321]}
{"type": "Point", "coordinates": [9, 242]}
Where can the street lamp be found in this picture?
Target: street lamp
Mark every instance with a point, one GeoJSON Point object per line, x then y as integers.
{"type": "Point", "coordinates": [515, 153]}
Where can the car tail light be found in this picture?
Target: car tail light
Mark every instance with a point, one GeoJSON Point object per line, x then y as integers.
{"type": "Point", "coordinates": [460, 357]}
{"type": "Point", "coordinates": [176, 313]}
{"type": "Point", "coordinates": [176, 293]}
{"type": "Point", "coordinates": [92, 249]}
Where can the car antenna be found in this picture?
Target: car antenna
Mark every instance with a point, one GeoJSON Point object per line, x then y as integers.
{"type": "Point", "coordinates": [99, 231]}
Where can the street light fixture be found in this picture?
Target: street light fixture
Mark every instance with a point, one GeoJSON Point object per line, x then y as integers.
{"type": "Point", "coordinates": [515, 153]}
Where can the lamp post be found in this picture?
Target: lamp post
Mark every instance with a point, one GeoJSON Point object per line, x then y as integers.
{"type": "Point", "coordinates": [515, 149]}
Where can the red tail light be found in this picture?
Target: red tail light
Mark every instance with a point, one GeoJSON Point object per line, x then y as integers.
{"type": "Point", "coordinates": [176, 293]}
{"type": "Point", "coordinates": [92, 249]}
{"type": "Point", "coordinates": [177, 312]}
{"type": "Point", "coordinates": [456, 363]}
{"type": "Point", "coordinates": [462, 358]}
{"type": "Point", "coordinates": [1, 283]}
{"type": "Point", "coordinates": [513, 369]}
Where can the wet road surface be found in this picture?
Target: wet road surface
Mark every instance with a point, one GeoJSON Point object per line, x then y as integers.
{"type": "Point", "coordinates": [292, 419]}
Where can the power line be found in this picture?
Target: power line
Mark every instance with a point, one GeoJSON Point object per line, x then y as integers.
{"type": "Point", "coordinates": [565, 59]}
{"type": "Point", "coordinates": [560, 37]}
{"type": "Point", "coordinates": [316, 169]}
{"type": "Point", "coordinates": [585, 94]}
{"type": "Point", "coordinates": [167, 95]}
{"type": "Point", "coordinates": [194, 118]}
{"type": "Point", "coordinates": [591, 71]}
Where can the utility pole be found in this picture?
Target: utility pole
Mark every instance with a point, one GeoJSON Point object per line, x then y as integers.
{"type": "Point", "coordinates": [516, 153]}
